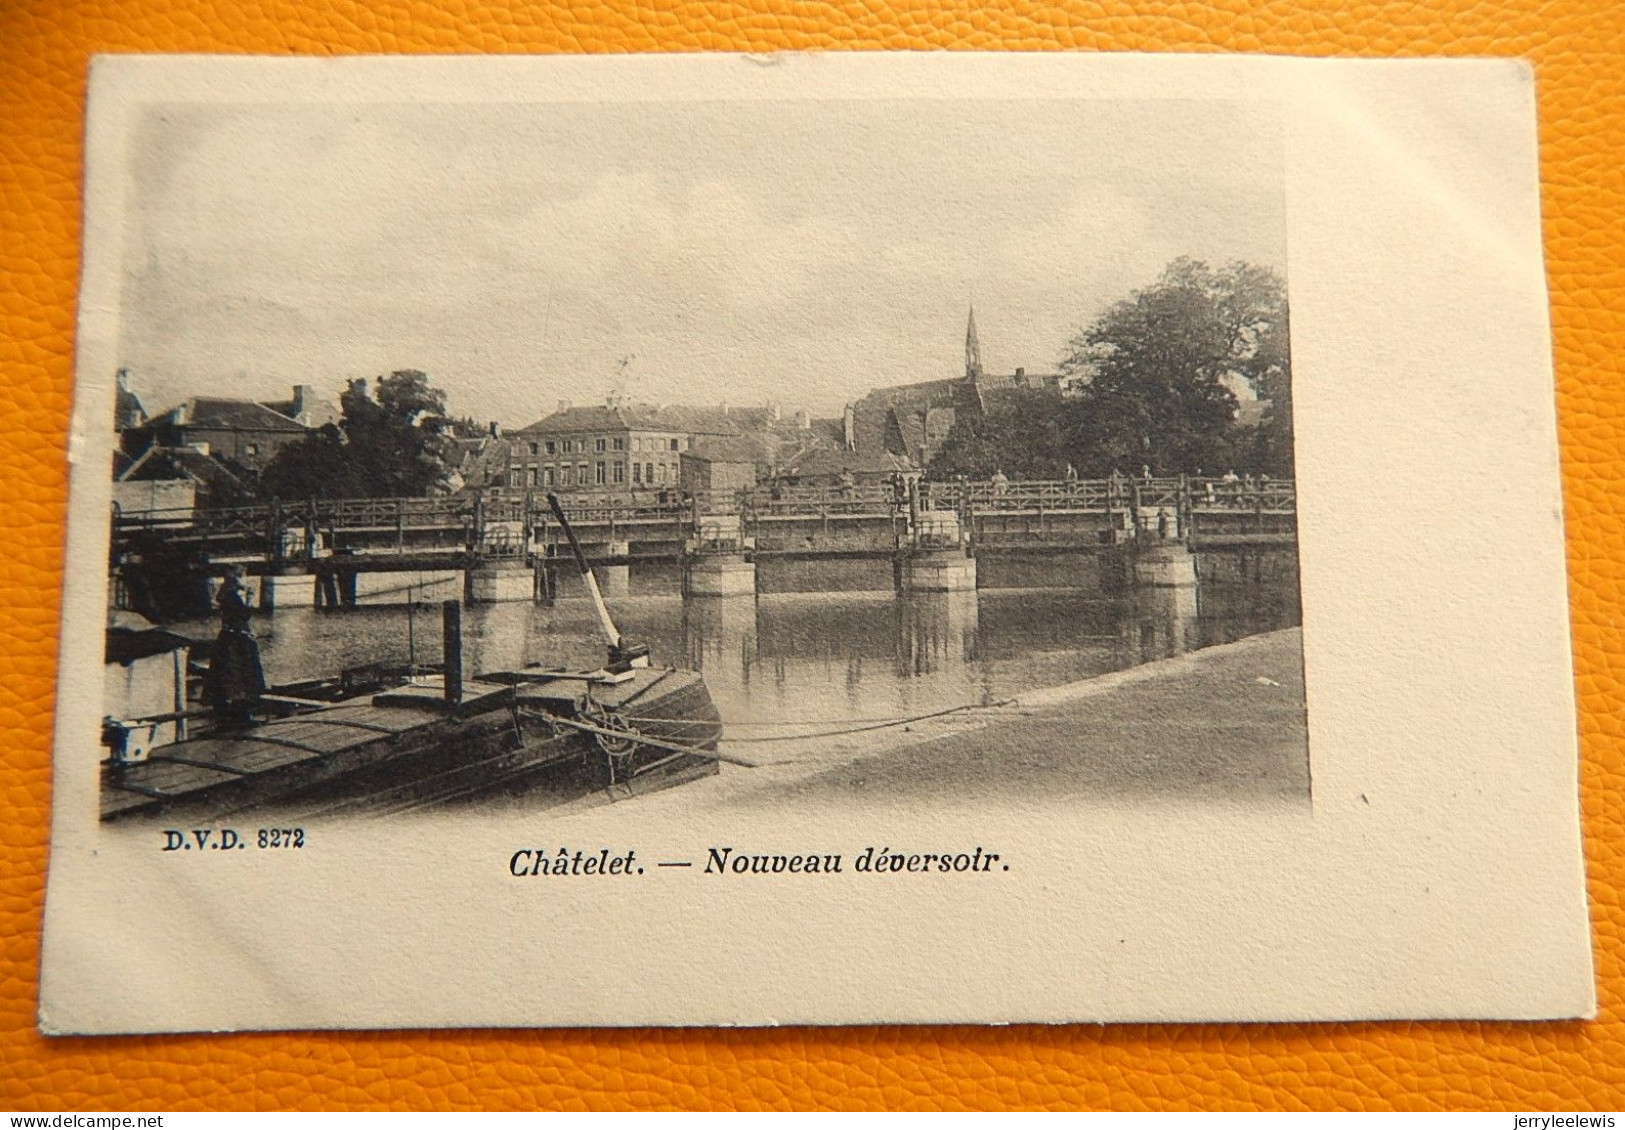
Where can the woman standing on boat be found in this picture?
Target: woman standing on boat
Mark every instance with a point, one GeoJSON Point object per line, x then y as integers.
{"type": "Point", "coordinates": [236, 679]}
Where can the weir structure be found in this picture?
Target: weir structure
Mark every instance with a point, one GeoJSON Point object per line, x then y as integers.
{"type": "Point", "coordinates": [910, 535]}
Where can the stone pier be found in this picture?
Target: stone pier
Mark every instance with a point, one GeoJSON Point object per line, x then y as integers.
{"type": "Point", "coordinates": [721, 574]}
{"type": "Point", "coordinates": [937, 528]}
{"type": "Point", "coordinates": [939, 570]}
{"type": "Point", "coordinates": [1165, 566]}
{"type": "Point", "coordinates": [498, 581]}
{"type": "Point", "coordinates": [719, 530]}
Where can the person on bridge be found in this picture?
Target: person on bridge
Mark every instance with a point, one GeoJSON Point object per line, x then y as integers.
{"type": "Point", "coordinates": [1001, 481]}
{"type": "Point", "coordinates": [1071, 473]}
{"type": "Point", "coordinates": [235, 680]}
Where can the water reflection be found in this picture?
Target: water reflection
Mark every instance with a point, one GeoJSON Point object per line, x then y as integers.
{"type": "Point", "coordinates": [782, 659]}
{"type": "Point", "coordinates": [1162, 623]}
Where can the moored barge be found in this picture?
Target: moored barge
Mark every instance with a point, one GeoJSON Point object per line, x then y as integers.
{"type": "Point", "coordinates": [552, 736]}
{"type": "Point", "coordinates": [434, 740]}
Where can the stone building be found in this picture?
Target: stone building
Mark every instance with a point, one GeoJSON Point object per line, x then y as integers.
{"type": "Point", "coordinates": [914, 420]}
{"type": "Point", "coordinates": [175, 481]}
{"type": "Point", "coordinates": [481, 462]}
{"type": "Point", "coordinates": [609, 447]}
{"type": "Point", "coordinates": [246, 432]}
{"type": "Point", "coordinates": [724, 463]}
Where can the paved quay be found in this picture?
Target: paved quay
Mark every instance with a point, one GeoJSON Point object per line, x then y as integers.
{"type": "Point", "coordinates": [1223, 723]}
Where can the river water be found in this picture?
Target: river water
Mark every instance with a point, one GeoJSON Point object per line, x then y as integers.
{"type": "Point", "coordinates": [792, 662]}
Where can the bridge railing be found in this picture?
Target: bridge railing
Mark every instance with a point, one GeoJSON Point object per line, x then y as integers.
{"type": "Point", "coordinates": [207, 522]}
{"type": "Point", "coordinates": [1050, 495]}
{"type": "Point", "coordinates": [384, 513]}
{"type": "Point", "coordinates": [157, 519]}
{"type": "Point", "coordinates": [588, 511]}
{"type": "Point", "coordinates": [529, 512]}
{"type": "Point", "coordinates": [1156, 494]}
{"type": "Point", "coordinates": [1280, 495]}
{"type": "Point", "coordinates": [797, 502]}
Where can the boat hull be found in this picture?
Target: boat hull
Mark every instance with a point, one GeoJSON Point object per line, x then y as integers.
{"type": "Point", "coordinates": [526, 739]}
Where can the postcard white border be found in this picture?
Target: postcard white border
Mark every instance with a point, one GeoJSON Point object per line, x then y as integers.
{"type": "Point", "coordinates": [1439, 873]}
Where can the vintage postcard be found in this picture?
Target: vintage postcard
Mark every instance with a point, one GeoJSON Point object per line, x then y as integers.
{"type": "Point", "coordinates": [812, 540]}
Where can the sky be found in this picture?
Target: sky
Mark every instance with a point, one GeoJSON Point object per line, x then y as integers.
{"type": "Point", "coordinates": [716, 252]}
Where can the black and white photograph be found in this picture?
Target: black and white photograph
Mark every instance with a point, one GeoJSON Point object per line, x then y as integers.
{"type": "Point", "coordinates": [808, 540]}
{"type": "Point", "coordinates": [621, 447]}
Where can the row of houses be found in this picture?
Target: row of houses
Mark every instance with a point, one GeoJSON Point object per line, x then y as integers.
{"type": "Point", "coordinates": [209, 449]}
{"type": "Point", "coordinates": [623, 448]}
{"type": "Point", "coordinates": [628, 449]}
{"type": "Point", "coordinates": [206, 450]}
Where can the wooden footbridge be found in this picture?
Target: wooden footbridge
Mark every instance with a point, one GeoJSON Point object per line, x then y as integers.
{"type": "Point", "coordinates": [333, 539]}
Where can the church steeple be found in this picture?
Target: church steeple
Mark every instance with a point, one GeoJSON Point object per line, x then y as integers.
{"type": "Point", "coordinates": [973, 349]}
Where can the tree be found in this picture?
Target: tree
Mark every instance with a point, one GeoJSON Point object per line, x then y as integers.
{"type": "Point", "coordinates": [1158, 368]}
{"type": "Point", "coordinates": [1157, 373]}
{"type": "Point", "coordinates": [1271, 377]}
{"type": "Point", "coordinates": [466, 427]}
{"type": "Point", "coordinates": [1025, 437]}
{"type": "Point", "coordinates": [397, 445]}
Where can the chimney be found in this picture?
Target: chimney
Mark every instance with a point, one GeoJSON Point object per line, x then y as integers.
{"type": "Point", "coordinates": [496, 429]}
{"type": "Point", "coordinates": [301, 404]}
{"type": "Point", "coordinates": [849, 432]}
{"type": "Point", "coordinates": [127, 409]}
{"type": "Point", "coordinates": [1021, 374]}
{"type": "Point", "coordinates": [775, 412]}
{"type": "Point", "coordinates": [564, 406]}
{"type": "Point", "coordinates": [183, 413]}
{"type": "Point", "coordinates": [803, 419]}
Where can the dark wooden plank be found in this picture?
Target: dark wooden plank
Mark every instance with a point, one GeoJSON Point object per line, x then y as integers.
{"type": "Point", "coordinates": [170, 779]}
{"type": "Point", "coordinates": [647, 681]}
{"type": "Point", "coordinates": [226, 750]}
{"type": "Point", "coordinates": [476, 695]}
{"type": "Point", "coordinates": [657, 683]}
{"type": "Point", "coordinates": [252, 759]}
{"type": "Point", "coordinates": [357, 724]}
{"type": "Point", "coordinates": [116, 800]}
{"type": "Point", "coordinates": [312, 736]}
{"type": "Point", "coordinates": [390, 719]}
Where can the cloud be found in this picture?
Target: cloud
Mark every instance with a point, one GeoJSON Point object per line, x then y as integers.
{"type": "Point", "coordinates": [805, 252]}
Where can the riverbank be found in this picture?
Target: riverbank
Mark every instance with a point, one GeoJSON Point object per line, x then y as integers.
{"type": "Point", "coordinates": [1227, 722]}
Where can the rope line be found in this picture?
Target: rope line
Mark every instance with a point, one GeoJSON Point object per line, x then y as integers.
{"type": "Point", "coordinates": [655, 743]}
{"type": "Point", "coordinates": [880, 725]}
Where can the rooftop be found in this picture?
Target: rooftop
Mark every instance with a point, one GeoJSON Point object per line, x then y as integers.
{"type": "Point", "coordinates": [726, 449]}
{"type": "Point", "coordinates": [833, 462]}
{"type": "Point", "coordinates": [226, 414]}
{"type": "Point", "coordinates": [642, 418]}
{"type": "Point", "coordinates": [160, 464]}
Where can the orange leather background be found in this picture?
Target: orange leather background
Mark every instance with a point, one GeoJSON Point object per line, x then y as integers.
{"type": "Point", "coordinates": [1579, 50]}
